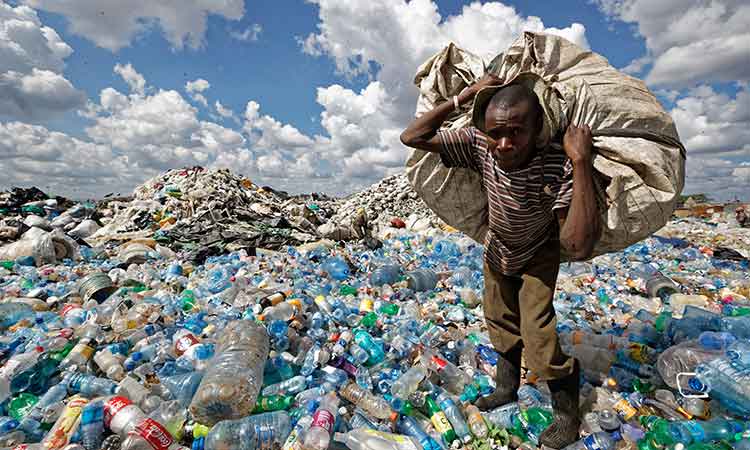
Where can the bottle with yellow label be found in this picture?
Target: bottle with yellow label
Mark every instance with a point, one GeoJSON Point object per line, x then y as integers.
{"type": "Point", "coordinates": [440, 421]}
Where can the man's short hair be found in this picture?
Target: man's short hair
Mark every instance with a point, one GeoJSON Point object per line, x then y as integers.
{"type": "Point", "coordinates": [515, 94]}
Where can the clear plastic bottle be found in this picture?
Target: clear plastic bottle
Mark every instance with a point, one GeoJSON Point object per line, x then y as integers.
{"type": "Point", "coordinates": [230, 387]}
{"type": "Point", "coordinates": [291, 386]}
{"type": "Point", "coordinates": [408, 382]}
{"type": "Point", "coordinates": [453, 378]}
{"type": "Point", "coordinates": [689, 431]}
{"type": "Point", "coordinates": [597, 441]}
{"type": "Point", "coordinates": [387, 274]}
{"type": "Point", "coordinates": [285, 311]}
{"type": "Point", "coordinates": [183, 386]}
{"type": "Point", "coordinates": [110, 364]}
{"type": "Point", "coordinates": [256, 432]}
{"type": "Point", "coordinates": [376, 406]}
{"type": "Point", "coordinates": [422, 280]}
{"type": "Point", "coordinates": [92, 425]}
{"type": "Point", "coordinates": [318, 437]}
{"type": "Point", "coordinates": [455, 417]}
{"type": "Point", "coordinates": [739, 353]}
{"type": "Point", "coordinates": [15, 365]}
{"type": "Point", "coordinates": [410, 427]}
{"type": "Point", "coordinates": [66, 425]}
{"type": "Point", "coordinates": [502, 416]}
{"type": "Point", "coordinates": [476, 422]}
{"type": "Point", "coordinates": [89, 385]}
{"type": "Point", "coordinates": [366, 439]}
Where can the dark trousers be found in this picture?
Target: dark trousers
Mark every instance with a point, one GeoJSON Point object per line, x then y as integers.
{"type": "Point", "coordinates": [519, 313]}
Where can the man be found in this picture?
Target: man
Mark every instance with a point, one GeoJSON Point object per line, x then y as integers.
{"type": "Point", "coordinates": [540, 197]}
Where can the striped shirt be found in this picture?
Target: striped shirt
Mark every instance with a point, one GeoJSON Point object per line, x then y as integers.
{"type": "Point", "coordinates": [521, 202]}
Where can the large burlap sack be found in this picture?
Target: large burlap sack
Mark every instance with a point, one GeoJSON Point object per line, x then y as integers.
{"type": "Point", "coordinates": [639, 161]}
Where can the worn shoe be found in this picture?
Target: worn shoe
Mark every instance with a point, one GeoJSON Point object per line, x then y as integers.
{"type": "Point", "coordinates": [507, 382]}
{"type": "Point", "coordinates": [564, 429]}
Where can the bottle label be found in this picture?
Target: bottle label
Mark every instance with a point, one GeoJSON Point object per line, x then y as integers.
{"type": "Point", "coordinates": [439, 362]}
{"type": "Point", "coordinates": [441, 423]}
{"type": "Point", "coordinates": [184, 343]}
{"type": "Point", "coordinates": [154, 433]}
{"type": "Point", "coordinates": [68, 308]}
{"type": "Point", "coordinates": [590, 443]}
{"type": "Point", "coordinates": [323, 419]}
{"type": "Point", "coordinates": [264, 436]}
{"type": "Point", "coordinates": [397, 438]}
{"type": "Point", "coordinates": [112, 407]}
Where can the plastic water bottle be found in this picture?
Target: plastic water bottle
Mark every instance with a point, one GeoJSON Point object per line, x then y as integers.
{"type": "Point", "coordinates": [376, 406]}
{"type": "Point", "coordinates": [502, 416]}
{"type": "Point", "coordinates": [455, 417]}
{"type": "Point", "coordinates": [422, 280]}
{"type": "Point", "coordinates": [92, 425]}
{"type": "Point", "coordinates": [12, 313]}
{"type": "Point", "coordinates": [109, 364]}
{"type": "Point", "coordinates": [318, 437]}
{"type": "Point", "coordinates": [445, 250]}
{"type": "Point", "coordinates": [409, 426]}
{"type": "Point", "coordinates": [89, 385]}
{"type": "Point", "coordinates": [16, 365]}
{"type": "Point", "coordinates": [337, 268]}
{"type": "Point", "coordinates": [738, 326]}
{"type": "Point", "coordinates": [712, 340]}
{"type": "Point", "coordinates": [387, 274]}
{"type": "Point", "coordinates": [230, 387]}
{"type": "Point", "coordinates": [408, 382]}
{"type": "Point", "coordinates": [739, 353]}
{"type": "Point", "coordinates": [476, 422]}
{"type": "Point", "coordinates": [183, 386]}
{"type": "Point", "coordinates": [597, 441]}
{"type": "Point", "coordinates": [366, 439]}
{"type": "Point", "coordinates": [291, 386]}
{"type": "Point", "coordinates": [259, 431]}
{"type": "Point", "coordinates": [660, 286]}
{"type": "Point", "coordinates": [724, 383]}
{"type": "Point", "coordinates": [285, 311]}
{"type": "Point", "coordinates": [440, 421]}
{"type": "Point", "coordinates": [363, 339]}
{"type": "Point", "coordinates": [690, 431]}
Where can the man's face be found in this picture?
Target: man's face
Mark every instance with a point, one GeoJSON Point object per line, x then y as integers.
{"type": "Point", "coordinates": [513, 132]}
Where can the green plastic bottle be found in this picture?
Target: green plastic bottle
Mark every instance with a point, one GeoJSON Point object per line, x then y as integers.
{"type": "Point", "coordinates": [273, 403]}
{"type": "Point", "coordinates": [389, 309]}
{"type": "Point", "coordinates": [369, 320]}
{"type": "Point", "coordinates": [440, 421]}
{"type": "Point", "coordinates": [20, 406]}
{"type": "Point", "coordinates": [347, 290]}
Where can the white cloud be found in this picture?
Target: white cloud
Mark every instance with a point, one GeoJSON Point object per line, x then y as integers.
{"type": "Point", "coordinates": [689, 41]}
{"type": "Point", "coordinates": [113, 24]}
{"type": "Point", "coordinates": [250, 34]}
{"type": "Point", "coordinates": [225, 113]}
{"type": "Point", "coordinates": [712, 122]}
{"type": "Point", "coordinates": [194, 89]}
{"type": "Point", "coordinates": [32, 56]}
{"type": "Point", "coordinates": [133, 79]}
{"type": "Point", "coordinates": [269, 133]}
{"type": "Point", "coordinates": [715, 129]}
{"type": "Point", "coordinates": [364, 127]}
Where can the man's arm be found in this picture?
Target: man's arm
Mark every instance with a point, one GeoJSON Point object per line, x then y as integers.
{"type": "Point", "coordinates": [422, 132]}
{"type": "Point", "coordinates": [580, 223]}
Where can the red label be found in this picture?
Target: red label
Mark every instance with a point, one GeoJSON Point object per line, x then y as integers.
{"type": "Point", "coordinates": [68, 307]}
{"type": "Point", "coordinates": [154, 433]}
{"type": "Point", "coordinates": [184, 343]}
{"type": "Point", "coordinates": [323, 419]}
{"type": "Point", "coordinates": [112, 407]}
{"type": "Point", "coordinates": [440, 362]}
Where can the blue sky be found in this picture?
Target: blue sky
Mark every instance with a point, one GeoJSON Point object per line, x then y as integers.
{"type": "Point", "coordinates": [318, 91]}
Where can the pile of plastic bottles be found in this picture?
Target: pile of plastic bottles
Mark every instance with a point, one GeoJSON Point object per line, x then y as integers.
{"type": "Point", "coordinates": [324, 347]}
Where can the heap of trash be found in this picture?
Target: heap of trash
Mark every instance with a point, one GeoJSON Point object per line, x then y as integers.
{"type": "Point", "coordinates": [391, 202]}
{"type": "Point", "coordinates": [114, 334]}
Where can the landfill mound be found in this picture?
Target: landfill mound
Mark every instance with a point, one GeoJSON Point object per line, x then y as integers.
{"type": "Point", "coordinates": [390, 198]}
{"type": "Point", "coordinates": [210, 212]}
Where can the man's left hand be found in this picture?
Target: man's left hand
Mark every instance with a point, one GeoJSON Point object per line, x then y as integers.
{"type": "Point", "coordinates": [577, 143]}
